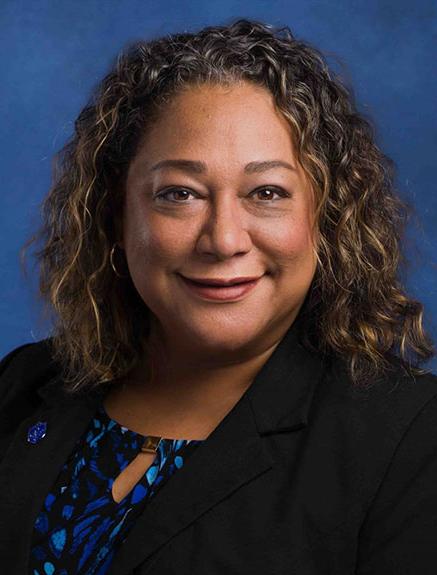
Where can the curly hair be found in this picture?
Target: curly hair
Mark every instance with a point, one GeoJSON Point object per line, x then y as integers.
{"type": "Point", "coordinates": [356, 307]}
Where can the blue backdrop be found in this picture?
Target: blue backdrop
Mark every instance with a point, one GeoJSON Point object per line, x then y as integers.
{"type": "Point", "coordinates": [54, 52]}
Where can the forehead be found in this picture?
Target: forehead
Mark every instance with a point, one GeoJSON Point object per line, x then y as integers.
{"type": "Point", "coordinates": [239, 122]}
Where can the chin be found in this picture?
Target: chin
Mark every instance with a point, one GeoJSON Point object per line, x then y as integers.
{"type": "Point", "coordinates": [221, 336]}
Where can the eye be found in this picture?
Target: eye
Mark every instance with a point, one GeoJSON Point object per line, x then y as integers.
{"type": "Point", "coordinates": [271, 190]}
{"type": "Point", "coordinates": [173, 191]}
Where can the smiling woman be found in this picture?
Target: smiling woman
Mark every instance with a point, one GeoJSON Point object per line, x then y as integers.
{"type": "Point", "coordinates": [244, 208]}
{"type": "Point", "coordinates": [221, 254]}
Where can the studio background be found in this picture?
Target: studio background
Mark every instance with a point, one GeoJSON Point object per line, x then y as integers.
{"type": "Point", "coordinates": [53, 53]}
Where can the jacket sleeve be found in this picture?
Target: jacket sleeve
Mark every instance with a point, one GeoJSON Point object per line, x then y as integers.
{"type": "Point", "coordinates": [399, 534]}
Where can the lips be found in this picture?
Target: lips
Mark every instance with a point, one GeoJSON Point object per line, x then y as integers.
{"type": "Point", "coordinates": [220, 292]}
{"type": "Point", "coordinates": [223, 282]}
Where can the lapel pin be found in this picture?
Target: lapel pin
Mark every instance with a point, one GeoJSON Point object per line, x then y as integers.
{"type": "Point", "coordinates": [36, 432]}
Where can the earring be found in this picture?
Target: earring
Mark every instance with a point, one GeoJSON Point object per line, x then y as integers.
{"type": "Point", "coordinates": [111, 259]}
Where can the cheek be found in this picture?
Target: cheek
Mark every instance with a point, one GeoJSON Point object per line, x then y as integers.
{"type": "Point", "coordinates": [292, 243]}
{"type": "Point", "coordinates": [156, 244]}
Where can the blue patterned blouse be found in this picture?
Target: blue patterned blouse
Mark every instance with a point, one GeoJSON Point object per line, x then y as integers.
{"type": "Point", "coordinates": [80, 525]}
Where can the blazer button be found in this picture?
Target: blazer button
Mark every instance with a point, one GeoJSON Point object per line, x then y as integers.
{"type": "Point", "coordinates": [36, 432]}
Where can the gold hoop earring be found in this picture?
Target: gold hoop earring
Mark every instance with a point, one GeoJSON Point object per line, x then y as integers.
{"type": "Point", "coordinates": [111, 259]}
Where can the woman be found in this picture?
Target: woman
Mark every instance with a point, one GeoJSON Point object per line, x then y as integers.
{"type": "Point", "coordinates": [221, 255]}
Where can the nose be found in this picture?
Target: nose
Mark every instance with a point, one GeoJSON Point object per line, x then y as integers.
{"type": "Point", "coordinates": [224, 232]}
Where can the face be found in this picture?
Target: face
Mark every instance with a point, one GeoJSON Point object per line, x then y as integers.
{"type": "Point", "coordinates": [223, 213]}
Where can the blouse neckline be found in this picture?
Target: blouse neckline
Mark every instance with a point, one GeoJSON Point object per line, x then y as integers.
{"type": "Point", "coordinates": [113, 424]}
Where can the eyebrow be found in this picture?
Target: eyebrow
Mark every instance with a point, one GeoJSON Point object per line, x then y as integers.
{"type": "Point", "coordinates": [200, 167]}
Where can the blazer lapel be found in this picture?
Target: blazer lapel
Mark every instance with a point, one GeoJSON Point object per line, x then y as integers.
{"type": "Point", "coordinates": [28, 471]}
{"type": "Point", "coordinates": [233, 454]}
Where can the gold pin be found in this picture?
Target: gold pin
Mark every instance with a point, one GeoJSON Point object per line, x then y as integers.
{"type": "Point", "coordinates": [151, 444]}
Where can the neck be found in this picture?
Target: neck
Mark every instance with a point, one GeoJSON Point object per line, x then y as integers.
{"type": "Point", "coordinates": [179, 394]}
{"type": "Point", "coordinates": [207, 383]}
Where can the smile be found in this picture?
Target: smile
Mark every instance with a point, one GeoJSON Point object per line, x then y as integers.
{"type": "Point", "coordinates": [222, 293]}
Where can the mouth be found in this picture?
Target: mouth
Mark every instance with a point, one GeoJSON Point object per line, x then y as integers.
{"type": "Point", "coordinates": [220, 292]}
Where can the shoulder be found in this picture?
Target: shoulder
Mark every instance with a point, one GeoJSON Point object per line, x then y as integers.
{"type": "Point", "coordinates": [379, 440]}
{"type": "Point", "coordinates": [24, 369]}
{"type": "Point", "coordinates": [397, 533]}
{"type": "Point", "coordinates": [396, 395]}
{"type": "Point", "coordinates": [372, 422]}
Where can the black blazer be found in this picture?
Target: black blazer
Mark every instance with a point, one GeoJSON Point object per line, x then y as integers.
{"type": "Point", "coordinates": [304, 476]}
